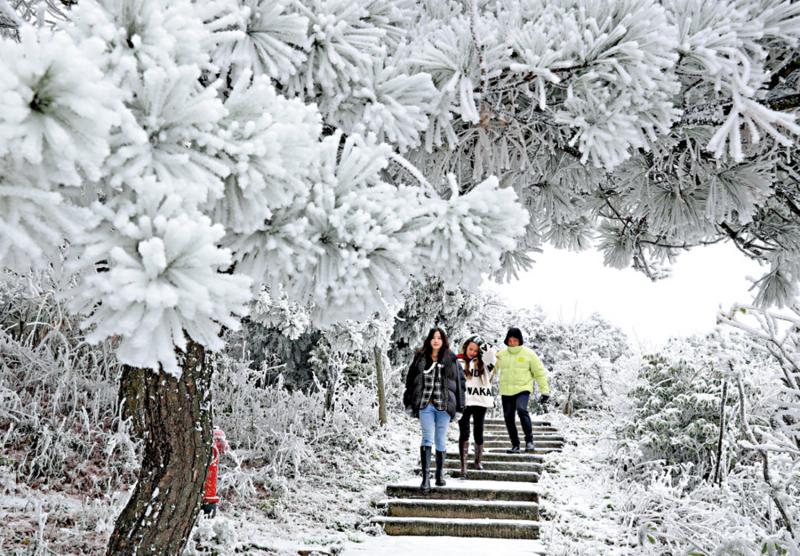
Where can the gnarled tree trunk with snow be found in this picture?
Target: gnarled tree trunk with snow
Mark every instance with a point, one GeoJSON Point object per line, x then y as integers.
{"type": "Point", "coordinates": [175, 419]}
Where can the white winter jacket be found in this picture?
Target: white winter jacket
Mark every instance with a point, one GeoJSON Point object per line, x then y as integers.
{"type": "Point", "coordinates": [479, 388]}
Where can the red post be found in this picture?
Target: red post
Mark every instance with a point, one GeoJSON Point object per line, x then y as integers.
{"type": "Point", "coordinates": [210, 498]}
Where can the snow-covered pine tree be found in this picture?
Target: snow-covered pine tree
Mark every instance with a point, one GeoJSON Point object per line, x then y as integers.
{"type": "Point", "coordinates": [175, 179]}
{"type": "Point", "coordinates": [651, 126]}
{"type": "Point", "coordinates": [144, 134]}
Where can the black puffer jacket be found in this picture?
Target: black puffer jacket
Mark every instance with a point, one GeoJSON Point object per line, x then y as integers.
{"type": "Point", "coordinates": [415, 383]}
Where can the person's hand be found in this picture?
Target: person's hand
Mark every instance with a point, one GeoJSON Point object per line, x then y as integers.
{"type": "Point", "coordinates": [544, 398]}
{"type": "Point", "coordinates": [489, 356]}
{"type": "Point", "coordinates": [458, 416]}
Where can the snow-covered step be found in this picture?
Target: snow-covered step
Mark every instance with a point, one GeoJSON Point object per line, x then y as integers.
{"type": "Point", "coordinates": [494, 475]}
{"type": "Point", "coordinates": [502, 456]}
{"type": "Point", "coordinates": [539, 451]}
{"type": "Point", "coordinates": [467, 490]}
{"type": "Point", "coordinates": [504, 438]}
{"type": "Point", "coordinates": [532, 467]}
{"type": "Point", "coordinates": [502, 428]}
{"type": "Point", "coordinates": [431, 526]}
{"type": "Point", "coordinates": [535, 422]}
{"type": "Point", "coordinates": [491, 474]}
{"type": "Point", "coordinates": [442, 546]}
{"type": "Point", "coordinates": [537, 444]}
{"type": "Point", "coordinates": [462, 509]}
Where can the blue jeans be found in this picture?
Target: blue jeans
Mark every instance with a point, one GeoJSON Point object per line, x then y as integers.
{"type": "Point", "coordinates": [433, 422]}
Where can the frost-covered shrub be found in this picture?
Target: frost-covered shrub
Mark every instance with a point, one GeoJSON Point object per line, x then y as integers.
{"type": "Point", "coordinates": [280, 430]}
{"type": "Point", "coordinates": [674, 518]}
{"type": "Point", "coordinates": [60, 421]}
{"type": "Point", "coordinates": [430, 303]}
{"type": "Point", "coordinates": [677, 412]}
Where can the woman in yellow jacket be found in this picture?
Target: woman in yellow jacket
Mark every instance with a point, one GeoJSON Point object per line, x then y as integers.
{"type": "Point", "coordinates": [518, 367]}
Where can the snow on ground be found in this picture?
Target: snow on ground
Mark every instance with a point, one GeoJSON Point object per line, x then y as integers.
{"type": "Point", "coordinates": [580, 494]}
{"type": "Point", "coordinates": [317, 511]}
{"type": "Point", "coordinates": [443, 546]}
{"type": "Point", "coordinates": [328, 510]}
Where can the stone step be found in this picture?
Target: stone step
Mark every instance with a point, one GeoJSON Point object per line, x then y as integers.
{"type": "Point", "coordinates": [534, 422]}
{"type": "Point", "coordinates": [490, 437]}
{"type": "Point", "coordinates": [537, 450]}
{"type": "Point", "coordinates": [537, 444]}
{"type": "Point", "coordinates": [504, 432]}
{"type": "Point", "coordinates": [531, 467]}
{"type": "Point", "coordinates": [467, 490]}
{"type": "Point", "coordinates": [489, 475]}
{"type": "Point", "coordinates": [437, 527]}
{"type": "Point", "coordinates": [502, 427]}
{"type": "Point", "coordinates": [442, 546]}
{"type": "Point", "coordinates": [462, 509]}
{"type": "Point", "coordinates": [494, 475]}
{"type": "Point", "coordinates": [502, 456]}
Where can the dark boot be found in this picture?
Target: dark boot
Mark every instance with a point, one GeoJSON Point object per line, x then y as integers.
{"type": "Point", "coordinates": [425, 462]}
{"type": "Point", "coordinates": [529, 446]}
{"type": "Point", "coordinates": [513, 450]}
{"type": "Point", "coordinates": [463, 448]}
{"type": "Point", "coordinates": [478, 454]}
{"type": "Point", "coordinates": [440, 482]}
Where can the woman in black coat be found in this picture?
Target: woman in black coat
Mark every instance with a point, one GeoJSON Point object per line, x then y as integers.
{"type": "Point", "coordinates": [435, 394]}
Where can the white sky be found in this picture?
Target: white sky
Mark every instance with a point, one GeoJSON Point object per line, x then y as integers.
{"type": "Point", "coordinates": [571, 286]}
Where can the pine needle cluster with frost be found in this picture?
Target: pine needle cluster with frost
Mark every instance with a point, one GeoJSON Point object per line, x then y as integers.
{"type": "Point", "coordinates": [193, 181]}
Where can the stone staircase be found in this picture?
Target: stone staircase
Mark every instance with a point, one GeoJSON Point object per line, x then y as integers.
{"type": "Point", "coordinates": [501, 501]}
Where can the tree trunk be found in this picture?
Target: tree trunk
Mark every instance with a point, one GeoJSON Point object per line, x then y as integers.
{"type": "Point", "coordinates": [174, 417]}
{"type": "Point", "coordinates": [381, 391]}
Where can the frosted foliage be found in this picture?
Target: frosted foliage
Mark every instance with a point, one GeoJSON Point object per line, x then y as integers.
{"type": "Point", "coordinates": [275, 310]}
{"type": "Point", "coordinates": [358, 224]}
{"type": "Point", "coordinates": [56, 110]}
{"type": "Point", "coordinates": [161, 278]}
{"type": "Point", "coordinates": [466, 234]}
{"type": "Point", "coordinates": [624, 99]}
{"type": "Point", "coordinates": [143, 34]}
{"type": "Point", "coordinates": [268, 142]}
{"type": "Point", "coordinates": [179, 119]}
{"type": "Point", "coordinates": [722, 40]}
{"type": "Point", "coordinates": [452, 60]}
{"type": "Point", "coordinates": [33, 220]}
{"type": "Point", "coordinates": [343, 44]}
{"type": "Point", "coordinates": [195, 178]}
{"type": "Point", "coordinates": [273, 41]}
{"type": "Point", "coordinates": [393, 106]}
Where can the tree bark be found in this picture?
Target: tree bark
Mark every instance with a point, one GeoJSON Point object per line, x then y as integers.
{"type": "Point", "coordinates": [381, 391]}
{"type": "Point", "coordinates": [174, 416]}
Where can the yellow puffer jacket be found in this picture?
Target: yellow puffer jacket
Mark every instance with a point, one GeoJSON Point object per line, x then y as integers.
{"type": "Point", "coordinates": [518, 367]}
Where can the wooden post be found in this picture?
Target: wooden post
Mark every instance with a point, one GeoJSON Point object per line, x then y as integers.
{"type": "Point", "coordinates": [717, 477]}
{"type": "Point", "coordinates": [381, 392]}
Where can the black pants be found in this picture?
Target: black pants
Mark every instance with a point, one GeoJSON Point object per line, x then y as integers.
{"type": "Point", "coordinates": [478, 414]}
{"type": "Point", "coordinates": [518, 403]}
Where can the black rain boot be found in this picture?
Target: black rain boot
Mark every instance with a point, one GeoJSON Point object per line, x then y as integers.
{"type": "Point", "coordinates": [478, 454]}
{"type": "Point", "coordinates": [463, 448]}
{"type": "Point", "coordinates": [440, 482]}
{"type": "Point", "coordinates": [425, 462]}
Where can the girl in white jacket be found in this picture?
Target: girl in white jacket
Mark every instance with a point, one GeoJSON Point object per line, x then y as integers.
{"type": "Point", "coordinates": [478, 368]}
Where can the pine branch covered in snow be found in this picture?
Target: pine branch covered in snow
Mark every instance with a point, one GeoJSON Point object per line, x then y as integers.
{"type": "Point", "coordinates": [192, 177]}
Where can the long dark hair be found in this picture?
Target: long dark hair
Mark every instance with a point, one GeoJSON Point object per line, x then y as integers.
{"type": "Point", "coordinates": [427, 350]}
{"type": "Point", "coordinates": [479, 364]}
